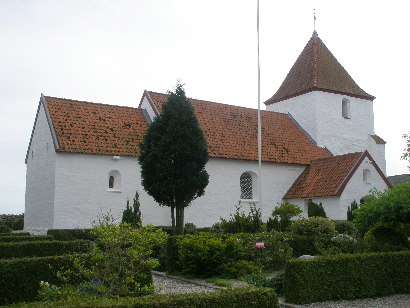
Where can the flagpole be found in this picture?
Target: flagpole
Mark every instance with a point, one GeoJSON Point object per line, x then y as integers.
{"type": "Point", "coordinates": [259, 122]}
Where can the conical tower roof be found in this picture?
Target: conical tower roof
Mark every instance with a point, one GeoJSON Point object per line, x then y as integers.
{"type": "Point", "coordinates": [317, 69]}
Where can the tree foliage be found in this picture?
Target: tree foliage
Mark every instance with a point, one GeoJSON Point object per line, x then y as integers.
{"type": "Point", "coordinates": [389, 208]}
{"type": "Point", "coordinates": [173, 157]}
{"type": "Point", "coordinates": [316, 210]}
{"type": "Point", "coordinates": [132, 215]}
{"type": "Point", "coordinates": [406, 151]}
{"type": "Point", "coordinates": [350, 210]}
{"type": "Point", "coordinates": [283, 214]}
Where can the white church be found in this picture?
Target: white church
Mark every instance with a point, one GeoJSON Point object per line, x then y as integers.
{"type": "Point", "coordinates": [318, 143]}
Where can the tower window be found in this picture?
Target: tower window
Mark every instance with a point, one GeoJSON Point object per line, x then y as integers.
{"type": "Point", "coordinates": [346, 108]}
{"type": "Point", "coordinates": [114, 180]}
{"type": "Point", "coordinates": [366, 176]}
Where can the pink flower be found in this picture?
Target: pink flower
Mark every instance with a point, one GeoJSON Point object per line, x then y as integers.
{"type": "Point", "coordinates": [260, 245]}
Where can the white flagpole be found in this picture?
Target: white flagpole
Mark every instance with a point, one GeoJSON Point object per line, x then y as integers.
{"type": "Point", "coordinates": [259, 122]}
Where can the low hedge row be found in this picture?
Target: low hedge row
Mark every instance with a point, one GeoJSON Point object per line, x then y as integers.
{"type": "Point", "coordinates": [244, 297]}
{"type": "Point", "coordinates": [347, 277]}
{"type": "Point", "coordinates": [42, 248]}
{"type": "Point", "coordinates": [15, 234]}
{"type": "Point", "coordinates": [71, 234]}
{"type": "Point", "coordinates": [14, 238]}
{"type": "Point", "coordinates": [20, 278]}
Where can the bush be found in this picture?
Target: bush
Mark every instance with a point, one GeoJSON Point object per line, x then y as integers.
{"type": "Point", "coordinates": [283, 214]}
{"type": "Point", "coordinates": [261, 280]}
{"type": "Point", "coordinates": [347, 277]}
{"type": "Point", "coordinates": [383, 238]}
{"type": "Point", "coordinates": [313, 226]}
{"type": "Point", "coordinates": [34, 238]}
{"type": "Point", "coordinates": [232, 298]}
{"type": "Point", "coordinates": [190, 228]}
{"type": "Point", "coordinates": [390, 208]}
{"type": "Point", "coordinates": [344, 227]}
{"type": "Point", "coordinates": [339, 244]}
{"type": "Point", "coordinates": [240, 268]}
{"type": "Point", "coordinates": [302, 245]}
{"type": "Point", "coordinates": [20, 278]}
{"type": "Point", "coordinates": [15, 234]}
{"type": "Point", "coordinates": [4, 228]}
{"type": "Point", "coordinates": [353, 206]}
{"type": "Point", "coordinates": [71, 234]}
{"type": "Point", "coordinates": [42, 249]}
{"type": "Point", "coordinates": [316, 210]}
{"type": "Point", "coordinates": [133, 215]}
{"type": "Point", "coordinates": [241, 222]}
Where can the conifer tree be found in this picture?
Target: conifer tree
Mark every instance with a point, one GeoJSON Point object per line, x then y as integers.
{"type": "Point", "coordinates": [173, 157]}
{"type": "Point", "coordinates": [133, 215]}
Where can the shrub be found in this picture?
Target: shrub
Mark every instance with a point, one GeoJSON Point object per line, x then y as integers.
{"type": "Point", "coordinates": [344, 226]}
{"type": "Point", "coordinates": [20, 278]}
{"type": "Point", "coordinates": [383, 238]}
{"type": "Point", "coordinates": [241, 222]}
{"type": "Point", "coordinates": [284, 213]}
{"type": "Point", "coordinates": [316, 210]}
{"type": "Point", "coordinates": [13, 238]}
{"type": "Point", "coordinates": [240, 268]}
{"type": "Point", "coordinates": [339, 244]}
{"type": "Point", "coordinates": [119, 262]}
{"type": "Point", "coordinates": [347, 277]}
{"type": "Point", "coordinates": [15, 234]}
{"type": "Point", "coordinates": [391, 207]}
{"type": "Point", "coordinates": [133, 215]}
{"type": "Point", "coordinates": [313, 226]}
{"type": "Point", "coordinates": [4, 229]}
{"type": "Point", "coordinates": [353, 206]}
{"type": "Point", "coordinates": [232, 298]}
{"type": "Point", "coordinates": [190, 228]}
{"type": "Point", "coordinates": [261, 280]}
{"type": "Point", "coordinates": [71, 234]}
{"type": "Point", "coordinates": [169, 257]}
{"type": "Point", "coordinates": [302, 245]}
{"type": "Point", "coordinates": [273, 224]}
{"type": "Point", "coordinates": [42, 248]}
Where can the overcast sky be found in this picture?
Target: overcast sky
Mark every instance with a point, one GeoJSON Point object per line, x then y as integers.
{"type": "Point", "coordinates": [110, 51]}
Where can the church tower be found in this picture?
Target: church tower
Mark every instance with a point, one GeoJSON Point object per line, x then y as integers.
{"type": "Point", "coordinates": [328, 104]}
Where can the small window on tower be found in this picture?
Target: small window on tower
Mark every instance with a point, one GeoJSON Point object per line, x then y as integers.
{"type": "Point", "coordinates": [366, 176]}
{"type": "Point", "coordinates": [346, 108]}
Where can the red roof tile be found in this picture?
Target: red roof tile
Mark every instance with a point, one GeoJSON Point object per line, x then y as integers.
{"type": "Point", "coordinates": [83, 127]}
{"type": "Point", "coordinates": [231, 132]}
{"type": "Point", "coordinates": [317, 69]}
{"type": "Point", "coordinates": [329, 176]}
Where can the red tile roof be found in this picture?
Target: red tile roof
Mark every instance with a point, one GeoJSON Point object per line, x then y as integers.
{"type": "Point", "coordinates": [328, 176]}
{"type": "Point", "coordinates": [83, 127]}
{"type": "Point", "coordinates": [317, 69]}
{"type": "Point", "coordinates": [231, 132]}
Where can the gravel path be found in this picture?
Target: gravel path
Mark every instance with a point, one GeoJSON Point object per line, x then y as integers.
{"type": "Point", "coordinates": [164, 284]}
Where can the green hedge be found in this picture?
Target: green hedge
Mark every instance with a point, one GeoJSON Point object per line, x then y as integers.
{"type": "Point", "coordinates": [244, 297]}
{"type": "Point", "coordinates": [20, 278]}
{"type": "Point", "coordinates": [13, 238]}
{"type": "Point", "coordinates": [71, 234]}
{"type": "Point", "coordinates": [15, 234]}
{"type": "Point", "coordinates": [302, 245]}
{"type": "Point", "coordinates": [42, 249]}
{"type": "Point", "coordinates": [347, 277]}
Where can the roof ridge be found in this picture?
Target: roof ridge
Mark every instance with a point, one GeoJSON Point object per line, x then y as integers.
{"type": "Point", "coordinates": [87, 102]}
{"type": "Point", "coordinates": [335, 156]}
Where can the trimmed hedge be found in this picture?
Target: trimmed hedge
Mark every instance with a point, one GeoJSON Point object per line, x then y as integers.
{"type": "Point", "coordinates": [15, 234]}
{"type": "Point", "coordinates": [42, 249]}
{"type": "Point", "coordinates": [13, 238]}
{"type": "Point", "coordinates": [352, 276]}
{"type": "Point", "coordinates": [232, 298]}
{"type": "Point", "coordinates": [71, 234]}
{"type": "Point", "coordinates": [20, 278]}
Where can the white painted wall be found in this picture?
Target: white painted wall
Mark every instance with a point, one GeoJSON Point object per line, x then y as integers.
{"type": "Point", "coordinates": [82, 192]}
{"type": "Point", "coordinates": [40, 178]}
{"type": "Point", "coordinates": [320, 114]}
{"type": "Point", "coordinates": [335, 207]}
{"type": "Point", "coordinates": [147, 106]}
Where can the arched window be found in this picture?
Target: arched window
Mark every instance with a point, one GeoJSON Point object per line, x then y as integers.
{"type": "Point", "coordinates": [366, 176]}
{"type": "Point", "coordinates": [114, 180]}
{"type": "Point", "coordinates": [246, 186]}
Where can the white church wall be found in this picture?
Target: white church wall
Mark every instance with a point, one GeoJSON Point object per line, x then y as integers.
{"type": "Point", "coordinates": [223, 191]}
{"type": "Point", "coordinates": [331, 205]}
{"type": "Point", "coordinates": [83, 193]}
{"type": "Point", "coordinates": [320, 115]}
{"type": "Point", "coordinates": [147, 106]}
{"type": "Point", "coordinates": [377, 151]}
{"type": "Point", "coordinates": [39, 197]}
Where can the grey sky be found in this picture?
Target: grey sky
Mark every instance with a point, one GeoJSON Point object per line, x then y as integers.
{"type": "Point", "coordinates": [110, 51]}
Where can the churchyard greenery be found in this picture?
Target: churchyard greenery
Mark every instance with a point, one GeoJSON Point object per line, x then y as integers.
{"type": "Point", "coordinates": [111, 263]}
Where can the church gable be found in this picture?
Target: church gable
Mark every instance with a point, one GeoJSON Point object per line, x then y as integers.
{"type": "Point", "coordinates": [328, 177]}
